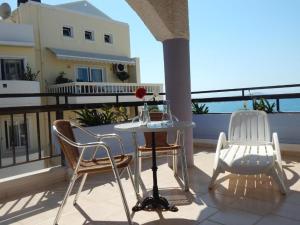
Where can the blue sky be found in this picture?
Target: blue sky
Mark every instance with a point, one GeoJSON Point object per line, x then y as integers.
{"type": "Point", "coordinates": [233, 43]}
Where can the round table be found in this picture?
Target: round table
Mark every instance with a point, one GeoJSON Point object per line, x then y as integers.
{"type": "Point", "coordinates": [155, 201]}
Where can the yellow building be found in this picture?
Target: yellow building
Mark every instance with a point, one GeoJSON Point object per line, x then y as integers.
{"type": "Point", "coordinates": [75, 40]}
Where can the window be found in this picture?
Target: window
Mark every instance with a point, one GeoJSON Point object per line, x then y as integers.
{"type": "Point", "coordinates": [96, 75]}
{"type": "Point", "coordinates": [83, 74]}
{"type": "Point", "coordinates": [108, 38]}
{"type": "Point", "coordinates": [86, 74]}
{"type": "Point", "coordinates": [89, 35]}
{"type": "Point", "coordinates": [67, 31]}
{"type": "Point", "coordinates": [11, 69]}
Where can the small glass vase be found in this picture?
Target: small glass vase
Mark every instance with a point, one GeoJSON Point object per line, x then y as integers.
{"type": "Point", "coordinates": [144, 116]}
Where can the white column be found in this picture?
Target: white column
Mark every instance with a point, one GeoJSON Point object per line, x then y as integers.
{"type": "Point", "coordinates": [178, 85]}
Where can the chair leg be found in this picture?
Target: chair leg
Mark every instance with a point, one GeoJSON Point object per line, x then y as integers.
{"type": "Point", "coordinates": [140, 162]}
{"type": "Point", "coordinates": [80, 188]}
{"type": "Point", "coordinates": [175, 162]}
{"type": "Point", "coordinates": [131, 179]}
{"type": "Point", "coordinates": [278, 177]}
{"type": "Point", "coordinates": [184, 170]}
{"type": "Point", "coordinates": [70, 187]}
{"type": "Point", "coordinates": [118, 180]}
{"type": "Point", "coordinates": [214, 178]}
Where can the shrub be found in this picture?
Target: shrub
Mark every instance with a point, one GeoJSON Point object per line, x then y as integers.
{"type": "Point", "coordinates": [106, 115]}
{"type": "Point", "coordinates": [60, 79]}
{"type": "Point", "coordinates": [263, 105]}
{"type": "Point", "coordinates": [29, 75]}
{"type": "Point", "coordinates": [199, 109]}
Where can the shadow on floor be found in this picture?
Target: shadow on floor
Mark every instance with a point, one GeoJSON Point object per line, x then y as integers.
{"type": "Point", "coordinates": [256, 187]}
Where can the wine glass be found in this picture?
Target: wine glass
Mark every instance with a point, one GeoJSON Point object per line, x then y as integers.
{"type": "Point", "coordinates": [167, 115]}
{"type": "Point", "coordinates": [144, 116]}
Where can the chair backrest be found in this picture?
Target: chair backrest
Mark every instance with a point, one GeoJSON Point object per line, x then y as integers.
{"type": "Point", "coordinates": [249, 126]}
{"type": "Point", "coordinates": [71, 152]}
{"type": "Point", "coordinates": [161, 138]}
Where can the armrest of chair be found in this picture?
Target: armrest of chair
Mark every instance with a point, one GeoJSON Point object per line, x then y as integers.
{"type": "Point", "coordinates": [222, 142]}
{"type": "Point", "coordinates": [275, 142]}
{"type": "Point", "coordinates": [101, 137]}
{"type": "Point", "coordinates": [79, 145]}
{"type": "Point", "coordinates": [97, 145]}
{"type": "Point", "coordinates": [85, 130]}
{"type": "Point", "coordinates": [113, 136]}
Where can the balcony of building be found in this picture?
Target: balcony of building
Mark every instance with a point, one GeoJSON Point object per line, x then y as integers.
{"type": "Point", "coordinates": [34, 177]}
{"type": "Point", "coordinates": [102, 91]}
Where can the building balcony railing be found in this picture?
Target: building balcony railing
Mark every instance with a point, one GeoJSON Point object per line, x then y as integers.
{"type": "Point", "coordinates": [94, 92]}
{"type": "Point", "coordinates": [102, 88]}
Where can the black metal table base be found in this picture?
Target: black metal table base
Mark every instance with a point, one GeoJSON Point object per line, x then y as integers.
{"type": "Point", "coordinates": [156, 202]}
{"type": "Point", "coordinates": [151, 203]}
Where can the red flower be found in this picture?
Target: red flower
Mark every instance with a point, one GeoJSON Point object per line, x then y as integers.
{"type": "Point", "coordinates": [140, 92]}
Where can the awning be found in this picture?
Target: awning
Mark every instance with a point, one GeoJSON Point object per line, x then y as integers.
{"type": "Point", "coordinates": [90, 57]}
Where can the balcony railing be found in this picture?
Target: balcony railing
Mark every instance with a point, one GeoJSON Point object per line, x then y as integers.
{"type": "Point", "coordinates": [102, 88]}
{"type": "Point", "coordinates": [41, 116]}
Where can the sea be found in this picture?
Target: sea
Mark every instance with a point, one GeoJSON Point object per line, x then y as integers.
{"type": "Point", "coordinates": [286, 105]}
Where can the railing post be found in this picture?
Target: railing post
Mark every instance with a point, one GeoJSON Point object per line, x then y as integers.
{"type": "Point", "coordinates": [60, 115]}
{"type": "Point", "coordinates": [66, 100]}
{"type": "Point", "coordinates": [278, 104]}
{"type": "Point", "coordinates": [117, 99]}
{"type": "Point", "coordinates": [136, 111]}
{"type": "Point", "coordinates": [243, 92]}
{"type": "Point", "coordinates": [26, 137]}
{"type": "Point", "coordinates": [12, 142]}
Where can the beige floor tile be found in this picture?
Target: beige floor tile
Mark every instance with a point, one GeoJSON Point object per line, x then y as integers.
{"type": "Point", "coordinates": [208, 222]}
{"type": "Point", "coordinates": [234, 217]}
{"type": "Point", "coordinates": [193, 212]}
{"type": "Point", "coordinates": [293, 197]}
{"type": "Point", "coordinates": [288, 210]}
{"type": "Point", "coordinates": [235, 200]}
{"type": "Point", "coordinates": [213, 199]}
{"type": "Point", "coordinates": [10, 223]}
{"type": "Point", "coordinates": [276, 220]}
{"type": "Point", "coordinates": [253, 206]}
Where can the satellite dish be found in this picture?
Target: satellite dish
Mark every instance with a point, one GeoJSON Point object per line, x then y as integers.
{"type": "Point", "coordinates": [5, 10]}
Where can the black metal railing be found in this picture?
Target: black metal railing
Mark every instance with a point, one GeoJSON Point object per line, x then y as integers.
{"type": "Point", "coordinates": [49, 113]}
{"type": "Point", "coordinates": [240, 95]}
{"type": "Point", "coordinates": [42, 116]}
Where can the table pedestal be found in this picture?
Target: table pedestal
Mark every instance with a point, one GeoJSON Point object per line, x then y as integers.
{"type": "Point", "coordinates": [156, 201]}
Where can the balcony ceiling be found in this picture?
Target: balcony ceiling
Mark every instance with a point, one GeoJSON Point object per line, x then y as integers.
{"type": "Point", "coordinates": [166, 19]}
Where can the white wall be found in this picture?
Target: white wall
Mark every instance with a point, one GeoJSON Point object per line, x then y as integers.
{"type": "Point", "coordinates": [287, 125]}
{"type": "Point", "coordinates": [17, 87]}
{"type": "Point", "coordinates": [16, 34]}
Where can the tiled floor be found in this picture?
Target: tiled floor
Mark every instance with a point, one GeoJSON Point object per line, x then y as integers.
{"type": "Point", "coordinates": [239, 200]}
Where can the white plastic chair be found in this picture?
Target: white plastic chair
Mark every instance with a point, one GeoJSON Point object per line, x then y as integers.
{"type": "Point", "coordinates": [249, 150]}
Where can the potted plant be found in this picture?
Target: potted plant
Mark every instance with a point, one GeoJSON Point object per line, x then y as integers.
{"type": "Point", "coordinates": [29, 75]}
